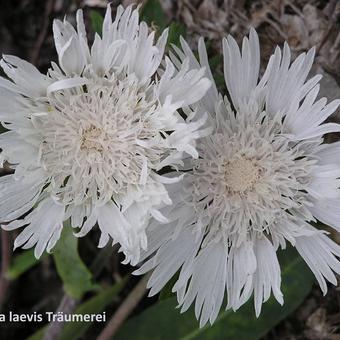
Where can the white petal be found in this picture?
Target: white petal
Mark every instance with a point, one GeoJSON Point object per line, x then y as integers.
{"type": "Point", "coordinates": [286, 83]}
{"type": "Point", "coordinates": [268, 274]}
{"type": "Point", "coordinates": [28, 79]}
{"type": "Point", "coordinates": [17, 197]}
{"type": "Point", "coordinates": [169, 259]}
{"type": "Point", "coordinates": [240, 270]}
{"type": "Point", "coordinates": [185, 87]}
{"type": "Point", "coordinates": [327, 211]}
{"type": "Point", "coordinates": [320, 253]}
{"type": "Point", "coordinates": [241, 71]}
{"type": "Point", "coordinates": [208, 283]}
{"type": "Point", "coordinates": [43, 228]}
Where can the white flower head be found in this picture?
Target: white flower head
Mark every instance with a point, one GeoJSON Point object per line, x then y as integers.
{"type": "Point", "coordinates": [87, 139]}
{"type": "Point", "coordinates": [261, 178]}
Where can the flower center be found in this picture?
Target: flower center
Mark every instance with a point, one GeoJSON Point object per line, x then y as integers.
{"type": "Point", "coordinates": [90, 142]}
{"type": "Point", "coordinates": [91, 139]}
{"type": "Point", "coordinates": [249, 180]}
{"type": "Point", "coordinates": [241, 175]}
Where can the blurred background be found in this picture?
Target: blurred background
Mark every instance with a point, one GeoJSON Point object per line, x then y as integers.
{"type": "Point", "coordinates": [82, 279]}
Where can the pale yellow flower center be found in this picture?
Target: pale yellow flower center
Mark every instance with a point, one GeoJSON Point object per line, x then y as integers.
{"type": "Point", "coordinates": [91, 138]}
{"type": "Point", "coordinates": [241, 175]}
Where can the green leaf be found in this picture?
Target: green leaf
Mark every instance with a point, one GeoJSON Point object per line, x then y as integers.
{"type": "Point", "coordinates": [215, 64]}
{"type": "Point", "coordinates": [96, 21]}
{"type": "Point", "coordinates": [2, 129]}
{"type": "Point", "coordinates": [152, 13]}
{"type": "Point", "coordinates": [76, 277]}
{"type": "Point", "coordinates": [21, 263]}
{"type": "Point", "coordinates": [297, 282]}
{"type": "Point", "coordinates": [95, 305]}
{"type": "Point", "coordinates": [175, 31]}
{"type": "Point", "coordinates": [166, 292]}
{"type": "Point", "coordinates": [219, 80]}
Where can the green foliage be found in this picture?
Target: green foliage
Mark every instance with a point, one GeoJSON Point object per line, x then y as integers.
{"type": "Point", "coordinates": [241, 325]}
{"type": "Point", "coordinates": [21, 263]}
{"type": "Point", "coordinates": [166, 292]}
{"type": "Point", "coordinates": [2, 129]}
{"type": "Point", "coordinates": [175, 31]}
{"type": "Point", "coordinates": [215, 61]}
{"type": "Point", "coordinates": [96, 21]}
{"type": "Point", "coordinates": [153, 14]}
{"type": "Point", "coordinates": [76, 277]}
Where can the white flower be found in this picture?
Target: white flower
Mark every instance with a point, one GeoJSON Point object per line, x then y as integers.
{"type": "Point", "coordinates": [87, 139]}
{"type": "Point", "coordinates": [261, 178]}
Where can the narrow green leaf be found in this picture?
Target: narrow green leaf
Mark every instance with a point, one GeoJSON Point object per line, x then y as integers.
{"type": "Point", "coordinates": [166, 292]}
{"type": "Point", "coordinates": [2, 129]}
{"type": "Point", "coordinates": [297, 282]}
{"type": "Point", "coordinates": [175, 31]}
{"type": "Point", "coordinates": [220, 82]}
{"type": "Point", "coordinates": [153, 14]}
{"type": "Point", "coordinates": [76, 277]}
{"type": "Point", "coordinates": [215, 61]}
{"type": "Point", "coordinates": [95, 305]}
{"type": "Point", "coordinates": [21, 263]}
{"type": "Point", "coordinates": [96, 21]}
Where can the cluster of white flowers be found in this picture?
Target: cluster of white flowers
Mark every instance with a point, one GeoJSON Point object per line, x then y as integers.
{"type": "Point", "coordinates": [249, 172]}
